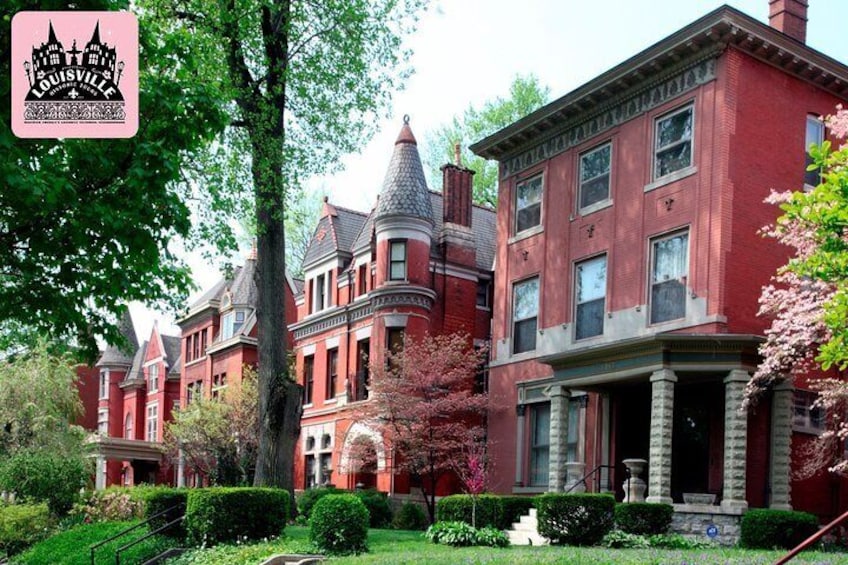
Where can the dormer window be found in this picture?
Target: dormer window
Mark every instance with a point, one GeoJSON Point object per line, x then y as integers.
{"type": "Point", "coordinates": [320, 293]}
{"type": "Point", "coordinates": [153, 378]}
{"type": "Point", "coordinates": [232, 323]}
{"type": "Point", "coordinates": [397, 260]}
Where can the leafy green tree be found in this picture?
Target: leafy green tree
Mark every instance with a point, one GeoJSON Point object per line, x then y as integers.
{"type": "Point", "coordinates": [526, 94]}
{"type": "Point", "coordinates": [303, 82]}
{"type": "Point", "coordinates": [39, 401]}
{"type": "Point", "coordinates": [218, 436]}
{"type": "Point", "coordinates": [85, 225]}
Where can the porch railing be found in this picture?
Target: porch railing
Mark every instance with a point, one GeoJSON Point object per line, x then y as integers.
{"type": "Point", "coordinates": [596, 471]}
{"type": "Point", "coordinates": [811, 540]}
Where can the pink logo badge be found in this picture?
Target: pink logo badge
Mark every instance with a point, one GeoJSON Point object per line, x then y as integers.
{"type": "Point", "coordinates": [74, 74]}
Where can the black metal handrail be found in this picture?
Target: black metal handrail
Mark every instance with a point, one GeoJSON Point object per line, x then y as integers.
{"type": "Point", "coordinates": [589, 474]}
{"type": "Point", "coordinates": [122, 533]}
{"type": "Point", "coordinates": [144, 537]}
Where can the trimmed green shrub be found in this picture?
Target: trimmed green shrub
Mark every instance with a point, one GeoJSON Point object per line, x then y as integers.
{"type": "Point", "coordinates": [378, 507]}
{"type": "Point", "coordinates": [514, 507]}
{"type": "Point", "coordinates": [575, 519]}
{"type": "Point", "coordinates": [223, 514]}
{"type": "Point", "coordinates": [339, 524]}
{"type": "Point", "coordinates": [643, 518]}
{"type": "Point", "coordinates": [307, 499]}
{"type": "Point", "coordinates": [460, 508]}
{"type": "Point", "coordinates": [410, 517]}
{"type": "Point", "coordinates": [41, 476]}
{"type": "Point", "coordinates": [160, 499]}
{"type": "Point", "coordinates": [21, 525]}
{"type": "Point", "coordinates": [492, 537]}
{"type": "Point", "coordinates": [763, 528]}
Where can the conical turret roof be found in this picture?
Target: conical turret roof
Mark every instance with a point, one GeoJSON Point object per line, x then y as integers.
{"type": "Point", "coordinates": [121, 354]}
{"type": "Point", "coordinates": [404, 190]}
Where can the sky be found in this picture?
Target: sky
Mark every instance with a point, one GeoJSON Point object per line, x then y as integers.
{"type": "Point", "coordinates": [466, 52]}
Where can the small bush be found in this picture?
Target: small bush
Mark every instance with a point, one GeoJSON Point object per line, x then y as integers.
{"type": "Point", "coordinates": [378, 507]}
{"type": "Point", "coordinates": [492, 537]}
{"type": "Point", "coordinates": [575, 519]}
{"type": "Point", "coordinates": [617, 539]}
{"type": "Point", "coordinates": [40, 476]}
{"type": "Point", "coordinates": [224, 514]}
{"type": "Point", "coordinates": [453, 533]}
{"type": "Point", "coordinates": [677, 541]}
{"type": "Point", "coordinates": [410, 517]}
{"type": "Point", "coordinates": [21, 525]}
{"type": "Point", "coordinates": [764, 528]}
{"type": "Point", "coordinates": [460, 508]}
{"type": "Point", "coordinates": [461, 534]}
{"type": "Point", "coordinates": [643, 518]}
{"type": "Point", "coordinates": [307, 499]}
{"type": "Point", "coordinates": [115, 504]}
{"type": "Point", "coordinates": [160, 499]}
{"type": "Point", "coordinates": [339, 524]}
{"type": "Point", "coordinates": [514, 507]}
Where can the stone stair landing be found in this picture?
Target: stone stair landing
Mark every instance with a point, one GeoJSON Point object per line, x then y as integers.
{"type": "Point", "coordinates": [526, 531]}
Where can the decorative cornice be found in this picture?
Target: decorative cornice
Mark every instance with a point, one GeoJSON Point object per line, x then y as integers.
{"type": "Point", "coordinates": [683, 78]}
{"type": "Point", "coordinates": [392, 296]}
{"type": "Point", "coordinates": [332, 318]}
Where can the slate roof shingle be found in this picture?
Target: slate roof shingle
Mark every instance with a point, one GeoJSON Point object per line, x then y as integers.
{"type": "Point", "coordinates": [404, 190]}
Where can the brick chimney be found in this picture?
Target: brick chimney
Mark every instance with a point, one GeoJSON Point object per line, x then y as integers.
{"type": "Point", "coordinates": [790, 17]}
{"type": "Point", "coordinates": [456, 193]}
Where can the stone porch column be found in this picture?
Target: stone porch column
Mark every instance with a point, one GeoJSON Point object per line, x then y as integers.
{"type": "Point", "coordinates": [734, 497]}
{"type": "Point", "coordinates": [662, 422]}
{"type": "Point", "coordinates": [100, 473]}
{"type": "Point", "coordinates": [781, 446]}
{"type": "Point", "coordinates": [520, 409]}
{"type": "Point", "coordinates": [559, 396]}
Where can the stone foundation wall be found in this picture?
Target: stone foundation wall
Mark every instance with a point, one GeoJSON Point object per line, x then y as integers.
{"type": "Point", "coordinates": [693, 520]}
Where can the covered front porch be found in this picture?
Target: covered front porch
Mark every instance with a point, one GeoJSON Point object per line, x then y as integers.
{"type": "Point", "coordinates": [673, 401]}
{"type": "Point", "coordinates": [144, 460]}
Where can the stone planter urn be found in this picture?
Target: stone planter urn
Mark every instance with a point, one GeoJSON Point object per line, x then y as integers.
{"type": "Point", "coordinates": [635, 487]}
{"type": "Point", "coordinates": [574, 471]}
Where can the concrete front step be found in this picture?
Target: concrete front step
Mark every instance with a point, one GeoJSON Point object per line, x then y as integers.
{"type": "Point", "coordinates": [526, 531]}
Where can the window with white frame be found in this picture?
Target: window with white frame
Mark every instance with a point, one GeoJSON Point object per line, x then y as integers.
{"type": "Point", "coordinates": [232, 323]}
{"type": "Point", "coordinates": [814, 136]}
{"type": "Point", "coordinates": [806, 416]}
{"type": "Point", "coordinates": [673, 145]}
{"type": "Point", "coordinates": [128, 426]}
{"type": "Point", "coordinates": [103, 421]}
{"type": "Point", "coordinates": [669, 273]}
{"type": "Point", "coordinates": [540, 443]}
{"type": "Point", "coordinates": [525, 311]}
{"type": "Point", "coordinates": [308, 378]}
{"type": "Point", "coordinates": [528, 204]}
{"type": "Point", "coordinates": [104, 384]}
{"type": "Point", "coordinates": [320, 292]}
{"type": "Point", "coordinates": [153, 378]}
{"type": "Point", "coordinates": [397, 260]}
{"type": "Point", "coordinates": [152, 422]}
{"type": "Point", "coordinates": [590, 297]}
{"type": "Point", "coordinates": [595, 176]}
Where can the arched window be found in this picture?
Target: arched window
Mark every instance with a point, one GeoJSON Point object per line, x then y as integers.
{"type": "Point", "coordinates": [128, 427]}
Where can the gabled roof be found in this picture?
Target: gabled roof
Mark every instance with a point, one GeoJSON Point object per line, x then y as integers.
{"type": "Point", "coordinates": [336, 232]}
{"type": "Point", "coordinates": [172, 345]}
{"type": "Point", "coordinates": [136, 372]}
{"type": "Point", "coordinates": [243, 286]}
{"type": "Point", "coordinates": [708, 35]}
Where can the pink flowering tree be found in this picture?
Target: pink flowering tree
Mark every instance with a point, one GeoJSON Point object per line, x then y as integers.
{"type": "Point", "coordinates": [808, 298]}
{"type": "Point", "coordinates": [423, 401]}
{"type": "Point", "coordinates": [471, 465]}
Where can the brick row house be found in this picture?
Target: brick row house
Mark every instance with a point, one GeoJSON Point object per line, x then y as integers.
{"type": "Point", "coordinates": [419, 263]}
{"type": "Point", "coordinates": [137, 388]}
{"type": "Point", "coordinates": [629, 267]}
